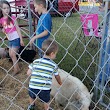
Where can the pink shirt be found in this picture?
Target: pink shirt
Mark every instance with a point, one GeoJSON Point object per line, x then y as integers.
{"type": "Point", "coordinates": [8, 28]}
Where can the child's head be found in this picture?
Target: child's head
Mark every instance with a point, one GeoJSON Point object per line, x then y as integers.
{"type": "Point", "coordinates": [5, 10]}
{"type": "Point", "coordinates": [50, 48]}
{"type": "Point", "coordinates": [39, 5]}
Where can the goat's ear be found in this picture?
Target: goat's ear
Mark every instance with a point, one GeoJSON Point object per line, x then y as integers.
{"type": "Point", "coordinates": [91, 94]}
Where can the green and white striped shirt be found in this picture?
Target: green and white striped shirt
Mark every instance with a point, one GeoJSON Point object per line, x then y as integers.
{"type": "Point", "coordinates": [42, 72]}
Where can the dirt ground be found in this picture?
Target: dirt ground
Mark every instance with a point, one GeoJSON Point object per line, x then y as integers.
{"type": "Point", "coordinates": [13, 89]}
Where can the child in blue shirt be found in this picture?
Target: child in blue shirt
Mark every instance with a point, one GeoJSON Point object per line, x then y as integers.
{"type": "Point", "coordinates": [44, 24]}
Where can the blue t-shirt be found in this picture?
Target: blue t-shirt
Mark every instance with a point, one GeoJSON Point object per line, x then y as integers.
{"type": "Point", "coordinates": [44, 23]}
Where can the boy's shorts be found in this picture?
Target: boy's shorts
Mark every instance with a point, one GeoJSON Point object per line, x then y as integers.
{"type": "Point", "coordinates": [14, 43]}
{"type": "Point", "coordinates": [44, 95]}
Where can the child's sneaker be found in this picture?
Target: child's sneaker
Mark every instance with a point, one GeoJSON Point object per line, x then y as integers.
{"type": "Point", "coordinates": [31, 107]}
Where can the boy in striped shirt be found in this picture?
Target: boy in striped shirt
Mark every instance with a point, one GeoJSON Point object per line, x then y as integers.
{"type": "Point", "coordinates": [41, 71]}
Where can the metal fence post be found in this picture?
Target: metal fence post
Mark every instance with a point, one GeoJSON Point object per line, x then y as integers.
{"type": "Point", "coordinates": [29, 18]}
{"type": "Point", "coordinates": [102, 58]}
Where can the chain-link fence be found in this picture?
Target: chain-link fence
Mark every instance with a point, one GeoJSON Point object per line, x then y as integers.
{"type": "Point", "coordinates": [82, 33]}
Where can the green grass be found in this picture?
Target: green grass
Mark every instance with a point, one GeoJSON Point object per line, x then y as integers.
{"type": "Point", "coordinates": [67, 36]}
{"type": "Point", "coordinates": [78, 58]}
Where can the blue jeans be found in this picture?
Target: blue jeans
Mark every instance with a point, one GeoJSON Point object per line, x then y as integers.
{"type": "Point", "coordinates": [14, 43]}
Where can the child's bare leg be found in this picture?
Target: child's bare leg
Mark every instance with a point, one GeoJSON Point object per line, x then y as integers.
{"type": "Point", "coordinates": [32, 101]}
{"type": "Point", "coordinates": [46, 106]}
{"type": "Point", "coordinates": [12, 53]}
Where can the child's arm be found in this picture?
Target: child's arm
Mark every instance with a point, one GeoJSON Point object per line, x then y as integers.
{"type": "Point", "coordinates": [29, 72]}
{"type": "Point", "coordinates": [57, 77]}
{"type": "Point", "coordinates": [1, 28]}
{"type": "Point", "coordinates": [19, 33]}
{"type": "Point", "coordinates": [44, 33]}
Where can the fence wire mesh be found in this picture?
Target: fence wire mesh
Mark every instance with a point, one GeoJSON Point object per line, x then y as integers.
{"type": "Point", "coordinates": [83, 55]}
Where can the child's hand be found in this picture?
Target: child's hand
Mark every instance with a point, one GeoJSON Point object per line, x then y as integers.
{"type": "Point", "coordinates": [21, 42]}
{"type": "Point", "coordinates": [32, 41]}
{"type": "Point", "coordinates": [29, 72]}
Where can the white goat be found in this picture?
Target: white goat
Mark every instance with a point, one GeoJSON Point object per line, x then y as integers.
{"type": "Point", "coordinates": [73, 94]}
